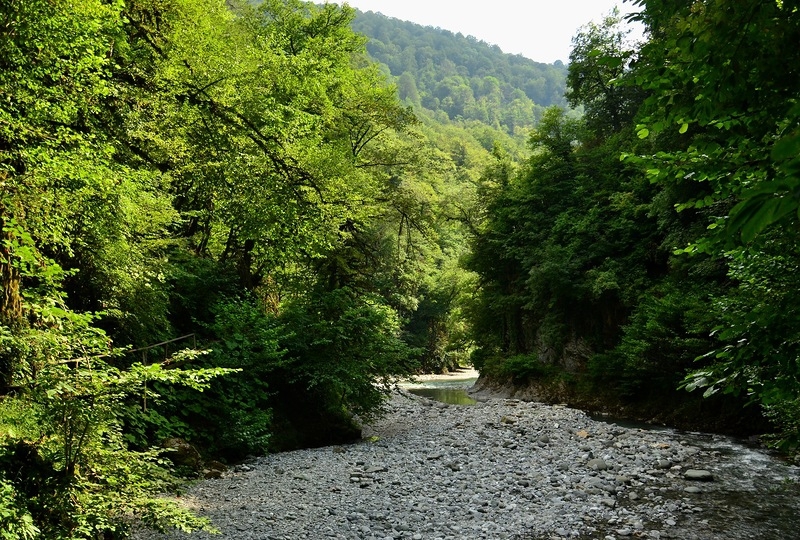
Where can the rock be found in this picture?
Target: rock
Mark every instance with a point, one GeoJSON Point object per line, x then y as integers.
{"type": "Point", "coordinates": [216, 466]}
{"type": "Point", "coordinates": [492, 481]}
{"type": "Point", "coordinates": [698, 474]}
{"type": "Point", "coordinates": [597, 464]}
{"type": "Point", "coordinates": [181, 453]}
{"type": "Point", "coordinates": [214, 469]}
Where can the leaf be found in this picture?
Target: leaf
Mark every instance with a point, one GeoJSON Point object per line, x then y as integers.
{"type": "Point", "coordinates": [753, 215]}
{"type": "Point", "coordinates": [610, 61]}
{"type": "Point", "coordinates": [684, 128]}
{"type": "Point", "coordinates": [786, 148]}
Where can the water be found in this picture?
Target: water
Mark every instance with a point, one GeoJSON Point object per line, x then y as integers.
{"type": "Point", "coordinates": [755, 493]}
{"type": "Point", "coordinates": [450, 391]}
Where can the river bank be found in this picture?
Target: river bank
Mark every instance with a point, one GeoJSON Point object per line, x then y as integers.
{"type": "Point", "coordinates": [503, 469]}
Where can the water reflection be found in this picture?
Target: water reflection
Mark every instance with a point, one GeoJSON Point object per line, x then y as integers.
{"type": "Point", "coordinates": [452, 392]}
{"type": "Point", "coordinates": [452, 396]}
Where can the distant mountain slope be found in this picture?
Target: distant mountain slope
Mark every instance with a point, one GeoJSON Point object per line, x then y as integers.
{"type": "Point", "coordinates": [463, 77]}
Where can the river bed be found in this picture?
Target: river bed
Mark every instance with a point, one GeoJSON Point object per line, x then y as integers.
{"type": "Point", "coordinates": [505, 469]}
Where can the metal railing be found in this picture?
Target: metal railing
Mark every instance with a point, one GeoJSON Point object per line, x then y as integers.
{"type": "Point", "coordinates": [146, 359]}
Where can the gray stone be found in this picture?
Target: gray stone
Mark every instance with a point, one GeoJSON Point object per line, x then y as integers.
{"type": "Point", "coordinates": [597, 464]}
{"type": "Point", "coordinates": [698, 474]}
{"type": "Point", "coordinates": [493, 481]}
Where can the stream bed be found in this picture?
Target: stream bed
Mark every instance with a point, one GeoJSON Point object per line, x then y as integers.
{"type": "Point", "coordinates": [504, 469]}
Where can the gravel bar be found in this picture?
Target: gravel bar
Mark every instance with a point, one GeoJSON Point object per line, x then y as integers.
{"type": "Point", "coordinates": [500, 469]}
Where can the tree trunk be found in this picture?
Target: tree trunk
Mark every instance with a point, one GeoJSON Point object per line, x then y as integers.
{"type": "Point", "coordinates": [10, 302]}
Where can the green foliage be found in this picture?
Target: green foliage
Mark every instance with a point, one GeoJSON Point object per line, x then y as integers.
{"type": "Point", "coordinates": [576, 253]}
{"type": "Point", "coordinates": [61, 440]}
{"type": "Point", "coordinates": [737, 166]}
{"type": "Point", "coordinates": [666, 332]}
{"type": "Point", "coordinates": [16, 523]}
{"type": "Point", "coordinates": [564, 247]}
{"type": "Point", "coordinates": [599, 59]}
{"type": "Point", "coordinates": [520, 369]}
{"type": "Point", "coordinates": [744, 154]}
{"type": "Point", "coordinates": [345, 348]}
{"type": "Point", "coordinates": [232, 418]}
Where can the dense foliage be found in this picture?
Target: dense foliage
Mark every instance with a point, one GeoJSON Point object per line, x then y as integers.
{"type": "Point", "coordinates": [728, 94]}
{"type": "Point", "coordinates": [673, 267]}
{"type": "Point", "coordinates": [243, 177]}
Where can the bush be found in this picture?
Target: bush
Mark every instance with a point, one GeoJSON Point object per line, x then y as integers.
{"type": "Point", "coordinates": [346, 349]}
{"type": "Point", "coordinates": [68, 471]}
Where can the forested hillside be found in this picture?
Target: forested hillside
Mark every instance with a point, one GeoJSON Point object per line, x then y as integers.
{"type": "Point", "coordinates": [462, 77]}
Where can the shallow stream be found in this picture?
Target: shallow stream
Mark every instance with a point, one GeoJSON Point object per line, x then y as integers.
{"type": "Point", "coordinates": [450, 391]}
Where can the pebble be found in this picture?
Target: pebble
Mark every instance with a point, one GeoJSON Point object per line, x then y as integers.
{"type": "Point", "coordinates": [469, 473]}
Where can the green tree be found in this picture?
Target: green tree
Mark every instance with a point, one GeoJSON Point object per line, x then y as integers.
{"type": "Point", "coordinates": [704, 67]}
{"type": "Point", "coordinates": [600, 58]}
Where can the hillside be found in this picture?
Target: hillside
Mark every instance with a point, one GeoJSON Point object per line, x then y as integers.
{"type": "Point", "coordinates": [462, 77]}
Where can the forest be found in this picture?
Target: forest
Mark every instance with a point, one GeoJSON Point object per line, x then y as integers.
{"type": "Point", "coordinates": [438, 72]}
{"type": "Point", "coordinates": [239, 226]}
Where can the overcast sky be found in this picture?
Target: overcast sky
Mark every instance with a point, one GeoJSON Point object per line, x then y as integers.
{"type": "Point", "coordinates": [541, 30]}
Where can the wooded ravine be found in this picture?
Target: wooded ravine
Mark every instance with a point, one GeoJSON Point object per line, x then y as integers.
{"type": "Point", "coordinates": [239, 225]}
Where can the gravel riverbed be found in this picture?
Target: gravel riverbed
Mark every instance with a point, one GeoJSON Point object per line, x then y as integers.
{"type": "Point", "coordinates": [499, 469]}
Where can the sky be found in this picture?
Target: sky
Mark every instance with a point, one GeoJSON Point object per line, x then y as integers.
{"type": "Point", "coordinates": [540, 30]}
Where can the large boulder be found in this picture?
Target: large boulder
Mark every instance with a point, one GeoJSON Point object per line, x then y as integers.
{"type": "Point", "coordinates": [182, 454]}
